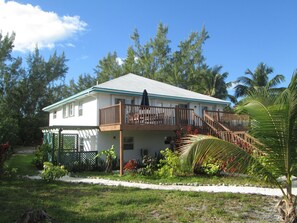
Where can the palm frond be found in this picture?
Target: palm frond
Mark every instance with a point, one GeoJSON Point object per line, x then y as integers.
{"type": "Point", "coordinates": [197, 149]}
{"type": "Point", "coordinates": [275, 81]}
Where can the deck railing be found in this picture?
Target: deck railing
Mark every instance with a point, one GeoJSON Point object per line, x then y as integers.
{"type": "Point", "coordinates": [232, 121]}
{"type": "Point", "coordinates": [149, 115]}
{"type": "Point", "coordinates": [110, 115]}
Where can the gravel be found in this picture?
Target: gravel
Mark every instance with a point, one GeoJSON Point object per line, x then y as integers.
{"type": "Point", "coordinates": [210, 188]}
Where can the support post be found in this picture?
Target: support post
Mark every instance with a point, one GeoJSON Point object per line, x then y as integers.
{"type": "Point", "coordinates": [121, 153]}
{"type": "Point", "coordinates": [59, 145]}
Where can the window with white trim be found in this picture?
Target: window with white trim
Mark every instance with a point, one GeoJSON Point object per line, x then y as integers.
{"type": "Point", "coordinates": [71, 109]}
{"type": "Point", "coordinates": [65, 111]}
{"type": "Point", "coordinates": [54, 114]}
{"type": "Point", "coordinates": [80, 108]}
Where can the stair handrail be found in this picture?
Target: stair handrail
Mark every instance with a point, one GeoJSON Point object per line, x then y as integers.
{"type": "Point", "coordinates": [228, 135]}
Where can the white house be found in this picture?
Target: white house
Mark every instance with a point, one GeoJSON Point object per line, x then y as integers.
{"type": "Point", "coordinates": [111, 114]}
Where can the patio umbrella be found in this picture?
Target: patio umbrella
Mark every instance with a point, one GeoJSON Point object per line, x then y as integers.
{"type": "Point", "coordinates": [145, 100]}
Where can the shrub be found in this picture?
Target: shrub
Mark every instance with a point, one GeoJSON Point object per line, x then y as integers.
{"type": "Point", "coordinates": [151, 165]}
{"type": "Point", "coordinates": [131, 166]}
{"type": "Point", "coordinates": [170, 165]}
{"type": "Point", "coordinates": [208, 168]}
{"type": "Point", "coordinates": [41, 155]}
{"type": "Point", "coordinates": [110, 157]}
{"type": "Point", "coordinates": [182, 132]}
{"type": "Point", "coordinates": [3, 156]}
{"type": "Point", "coordinates": [51, 172]}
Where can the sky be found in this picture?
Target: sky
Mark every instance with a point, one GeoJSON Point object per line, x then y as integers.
{"type": "Point", "coordinates": [242, 33]}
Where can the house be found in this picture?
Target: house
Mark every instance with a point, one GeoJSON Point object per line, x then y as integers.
{"type": "Point", "coordinates": [114, 113]}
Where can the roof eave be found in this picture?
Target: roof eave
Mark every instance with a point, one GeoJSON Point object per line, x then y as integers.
{"type": "Point", "coordinates": [133, 93]}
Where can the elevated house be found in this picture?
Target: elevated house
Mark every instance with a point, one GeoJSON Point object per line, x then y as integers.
{"type": "Point", "coordinates": [138, 116]}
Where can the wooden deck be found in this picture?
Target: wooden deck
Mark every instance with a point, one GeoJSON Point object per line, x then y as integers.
{"type": "Point", "coordinates": [224, 125]}
{"type": "Point", "coordinates": [136, 117]}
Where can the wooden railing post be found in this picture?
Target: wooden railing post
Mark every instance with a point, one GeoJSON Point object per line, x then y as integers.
{"type": "Point", "coordinates": [122, 113]}
{"type": "Point", "coordinates": [177, 118]}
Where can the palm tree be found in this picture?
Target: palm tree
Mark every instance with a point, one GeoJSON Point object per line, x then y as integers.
{"type": "Point", "coordinates": [258, 79]}
{"type": "Point", "coordinates": [213, 83]}
{"type": "Point", "coordinates": [274, 125]}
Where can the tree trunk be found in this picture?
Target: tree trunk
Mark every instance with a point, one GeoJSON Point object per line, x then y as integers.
{"type": "Point", "coordinates": [287, 209]}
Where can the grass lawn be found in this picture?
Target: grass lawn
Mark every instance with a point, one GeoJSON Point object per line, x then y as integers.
{"type": "Point", "coordinates": [94, 203]}
{"type": "Point", "coordinates": [23, 163]}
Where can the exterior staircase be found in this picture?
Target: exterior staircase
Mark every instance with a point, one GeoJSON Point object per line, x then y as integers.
{"type": "Point", "coordinates": [211, 124]}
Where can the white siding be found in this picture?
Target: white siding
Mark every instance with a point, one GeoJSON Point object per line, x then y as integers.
{"type": "Point", "coordinates": [90, 114]}
{"type": "Point", "coordinates": [153, 141]}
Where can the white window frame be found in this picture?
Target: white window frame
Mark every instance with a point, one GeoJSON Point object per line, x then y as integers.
{"type": "Point", "coordinates": [65, 111]}
{"type": "Point", "coordinates": [71, 109]}
{"type": "Point", "coordinates": [54, 114]}
{"type": "Point", "coordinates": [80, 108]}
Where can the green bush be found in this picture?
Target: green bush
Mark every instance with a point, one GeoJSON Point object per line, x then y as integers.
{"type": "Point", "coordinates": [209, 167]}
{"type": "Point", "coordinates": [41, 155]}
{"type": "Point", "coordinates": [170, 164]}
{"type": "Point", "coordinates": [51, 172]}
{"type": "Point", "coordinates": [151, 165]}
{"type": "Point", "coordinates": [110, 156]}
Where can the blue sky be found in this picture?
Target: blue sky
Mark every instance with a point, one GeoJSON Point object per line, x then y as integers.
{"type": "Point", "coordinates": [242, 33]}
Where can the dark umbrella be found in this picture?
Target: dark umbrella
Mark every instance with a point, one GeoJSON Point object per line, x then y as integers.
{"type": "Point", "coordinates": [144, 101]}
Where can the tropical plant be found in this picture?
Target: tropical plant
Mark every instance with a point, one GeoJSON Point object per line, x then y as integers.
{"type": "Point", "coordinates": [213, 83]}
{"type": "Point", "coordinates": [41, 155]}
{"type": "Point", "coordinates": [274, 125]}
{"type": "Point", "coordinates": [51, 172]}
{"type": "Point", "coordinates": [151, 165]}
{"type": "Point", "coordinates": [257, 80]}
{"type": "Point", "coordinates": [110, 155]}
{"type": "Point", "coordinates": [131, 166]}
{"type": "Point", "coordinates": [170, 165]}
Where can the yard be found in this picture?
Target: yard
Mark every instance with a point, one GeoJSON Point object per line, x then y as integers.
{"type": "Point", "coordinates": [94, 203]}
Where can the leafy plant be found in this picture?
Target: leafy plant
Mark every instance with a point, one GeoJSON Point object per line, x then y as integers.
{"type": "Point", "coordinates": [274, 125]}
{"type": "Point", "coordinates": [3, 156]}
{"type": "Point", "coordinates": [151, 165]}
{"type": "Point", "coordinates": [210, 167]}
{"type": "Point", "coordinates": [131, 166]}
{"type": "Point", "coordinates": [182, 132]}
{"type": "Point", "coordinates": [110, 156]}
{"type": "Point", "coordinates": [51, 172]}
{"type": "Point", "coordinates": [170, 165]}
{"type": "Point", "coordinates": [41, 155]}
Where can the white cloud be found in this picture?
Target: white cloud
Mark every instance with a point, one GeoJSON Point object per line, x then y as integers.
{"type": "Point", "coordinates": [33, 26]}
{"type": "Point", "coordinates": [120, 61]}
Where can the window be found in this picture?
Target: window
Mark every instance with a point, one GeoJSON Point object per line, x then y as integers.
{"type": "Point", "coordinates": [80, 108]}
{"type": "Point", "coordinates": [128, 143]}
{"type": "Point", "coordinates": [54, 114]}
{"type": "Point", "coordinates": [65, 111]}
{"type": "Point", "coordinates": [71, 109]}
{"type": "Point", "coordinates": [81, 144]}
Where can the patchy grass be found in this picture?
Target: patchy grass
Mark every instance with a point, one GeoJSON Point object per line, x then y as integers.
{"type": "Point", "coordinates": [23, 163]}
{"type": "Point", "coordinates": [199, 180]}
{"type": "Point", "coordinates": [94, 203]}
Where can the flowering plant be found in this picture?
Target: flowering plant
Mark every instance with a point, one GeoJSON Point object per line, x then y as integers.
{"type": "Point", "coordinates": [3, 155]}
{"type": "Point", "coordinates": [131, 166]}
